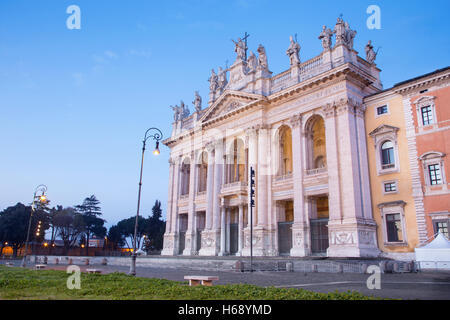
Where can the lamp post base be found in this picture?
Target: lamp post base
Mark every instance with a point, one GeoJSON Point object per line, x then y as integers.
{"type": "Point", "coordinates": [133, 265]}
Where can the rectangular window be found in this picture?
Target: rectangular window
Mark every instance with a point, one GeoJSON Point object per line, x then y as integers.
{"type": "Point", "coordinates": [394, 228]}
{"type": "Point", "coordinates": [435, 174]}
{"type": "Point", "coordinates": [442, 227]}
{"type": "Point", "coordinates": [382, 110]}
{"type": "Point", "coordinates": [427, 115]}
{"type": "Point", "coordinates": [390, 187]}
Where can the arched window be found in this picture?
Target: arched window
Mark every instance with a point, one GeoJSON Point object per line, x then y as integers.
{"type": "Point", "coordinates": [236, 162]}
{"type": "Point", "coordinates": [285, 142]}
{"type": "Point", "coordinates": [185, 176]}
{"type": "Point", "coordinates": [316, 153]}
{"type": "Point", "coordinates": [202, 172]}
{"type": "Point", "coordinates": [387, 155]}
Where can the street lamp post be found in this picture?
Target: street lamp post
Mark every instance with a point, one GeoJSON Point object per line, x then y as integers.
{"type": "Point", "coordinates": [157, 136]}
{"type": "Point", "coordinates": [43, 199]}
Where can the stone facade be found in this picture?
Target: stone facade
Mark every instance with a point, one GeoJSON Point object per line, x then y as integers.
{"type": "Point", "coordinates": [303, 133]}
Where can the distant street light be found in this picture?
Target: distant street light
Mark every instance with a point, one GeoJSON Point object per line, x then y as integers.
{"type": "Point", "coordinates": [157, 136]}
{"type": "Point", "coordinates": [42, 199]}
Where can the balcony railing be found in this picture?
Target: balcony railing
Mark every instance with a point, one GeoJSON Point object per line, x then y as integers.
{"type": "Point", "coordinates": [313, 172]}
{"type": "Point", "coordinates": [184, 196]}
{"type": "Point", "coordinates": [235, 186]}
{"type": "Point", "coordinates": [282, 177]}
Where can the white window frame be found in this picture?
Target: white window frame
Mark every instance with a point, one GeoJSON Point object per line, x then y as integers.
{"type": "Point", "coordinates": [384, 114]}
{"type": "Point", "coordinates": [390, 192]}
{"type": "Point", "coordinates": [432, 158]}
{"type": "Point", "coordinates": [380, 136]}
{"type": "Point", "coordinates": [395, 207]}
{"type": "Point", "coordinates": [424, 102]}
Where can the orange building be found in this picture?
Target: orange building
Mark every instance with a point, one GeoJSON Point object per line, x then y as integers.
{"type": "Point", "coordinates": [408, 139]}
{"type": "Point", "coordinates": [427, 101]}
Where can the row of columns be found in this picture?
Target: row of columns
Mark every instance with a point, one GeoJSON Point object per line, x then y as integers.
{"type": "Point", "coordinates": [349, 193]}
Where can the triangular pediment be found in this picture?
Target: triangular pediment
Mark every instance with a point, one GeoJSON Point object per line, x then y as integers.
{"type": "Point", "coordinates": [384, 128]}
{"type": "Point", "coordinates": [228, 102]}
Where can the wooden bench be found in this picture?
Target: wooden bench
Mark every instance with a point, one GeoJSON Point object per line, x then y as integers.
{"type": "Point", "coordinates": [40, 266]}
{"type": "Point", "coordinates": [203, 280]}
{"type": "Point", "coordinates": [93, 271]}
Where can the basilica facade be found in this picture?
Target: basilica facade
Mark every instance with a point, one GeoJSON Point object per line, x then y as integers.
{"type": "Point", "coordinates": [303, 133]}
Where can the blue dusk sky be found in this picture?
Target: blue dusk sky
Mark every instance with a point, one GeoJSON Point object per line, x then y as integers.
{"type": "Point", "coordinates": [75, 104]}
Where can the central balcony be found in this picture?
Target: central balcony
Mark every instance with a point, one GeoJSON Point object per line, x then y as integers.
{"type": "Point", "coordinates": [238, 187]}
{"type": "Point", "coordinates": [316, 181]}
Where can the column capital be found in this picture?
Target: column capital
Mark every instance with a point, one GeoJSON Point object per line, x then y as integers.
{"type": "Point", "coordinates": [329, 110]}
{"type": "Point", "coordinates": [251, 132]}
{"type": "Point", "coordinates": [210, 146]}
{"type": "Point", "coordinates": [296, 120]}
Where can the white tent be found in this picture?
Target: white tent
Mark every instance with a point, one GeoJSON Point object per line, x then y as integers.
{"type": "Point", "coordinates": [434, 255]}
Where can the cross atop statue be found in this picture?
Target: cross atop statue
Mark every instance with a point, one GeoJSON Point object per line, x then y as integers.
{"type": "Point", "coordinates": [246, 35]}
{"type": "Point", "coordinates": [241, 47]}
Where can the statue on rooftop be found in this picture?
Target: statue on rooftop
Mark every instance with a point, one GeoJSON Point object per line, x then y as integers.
{"type": "Point", "coordinates": [240, 49]}
{"type": "Point", "coordinates": [371, 55]}
{"type": "Point", "coordinates": [222, 78]}
{"type": "Point", "coordinates": [349, 36]}
{"type": "Point", "coordinates": [197, 102]}
{"type": "Point", "coordinates": [339, 31]}
{"type": "Point", "coordinates": [325, 36]}
{"type": "Point", "coordinates": [184, 110]}
{"type": "Point", "coordinates": [293, 52]}
{"type": "Point", "coordinates": [262, 58]}
{"type": "Point", "coordinates": [252, 62]}
{"type": "Point", "coordinates": [176, 113]}
{"type": "Point", "coordinates": [213, 81]}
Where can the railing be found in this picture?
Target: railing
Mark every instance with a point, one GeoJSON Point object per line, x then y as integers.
{"type": "Point", "coordinates": [312, 172]}
{"type": "Point", "coordinates": [281, 77]}
{"type": "Point", "coordinates": [184, 196]}
{"type": "Point", "coordinates": [282, 177]}
{"type": "Point", "coordinates": [201, 193]}
{"type": "Point", "coordinates": [235, 184]}
{"type": "Point", "coordinates": [388, 166]}
{"type": "Point", "coordinates": [311, 64]}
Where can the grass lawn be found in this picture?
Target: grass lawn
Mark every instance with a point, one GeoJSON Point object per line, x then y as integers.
{"type": "Point", "coordinates": [18, 283]}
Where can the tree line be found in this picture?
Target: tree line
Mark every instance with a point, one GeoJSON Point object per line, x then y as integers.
{"type": "Point", "coordinates": [76, 225]}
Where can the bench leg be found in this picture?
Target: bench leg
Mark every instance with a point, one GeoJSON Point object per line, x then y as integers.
{"type": "Point", "coordinates": [207, 283]}
{"type": "Point", "coordinates": [194, 283]}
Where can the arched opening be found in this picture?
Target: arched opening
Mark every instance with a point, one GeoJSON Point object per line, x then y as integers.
{"type": "Point", "coordinates": [316, 143]}
{"type": "Point", "coordinates": [185, 176]}
{"type": "Point", "coordinates": [202, 172]}
{"type": "Point", "coordinates": [285, 151]}
{"type": "Point", "coordinates": [237, 162]}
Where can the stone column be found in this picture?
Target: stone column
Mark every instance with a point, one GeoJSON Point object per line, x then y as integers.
{"type": "Point", "coordinates": [262, 175]}
{"type": "Point", "coordinates": [300, 228]}
{"type": "Point", "coordinates": [349, 230]}
{"type": "Point", "coordinates": [210, 188]}
{"type": "Point", "coordinates": [170, 246]}
{"type": "Point", "coordinates": [217, 183]}
{"type": "Point", "coordinates": [170, 196]}
{"type": "Point", "coordinates": [252, 137]}
{"type": "Point", "coordinates": [191, 232]}
{"type": "Point", "coordinates": [334, 187]}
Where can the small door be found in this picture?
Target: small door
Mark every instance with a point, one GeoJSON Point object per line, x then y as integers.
{"type": "Point", "coordinates": [284, 238]}
{"type": "Point", "coordinates": [319, 236]}
{"type": "Point", "coordinates": [181, 244]}
{"type": "Point", "coordinates": [234, 238]}
{"type": "Point", "coordinates": [199, 239]}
